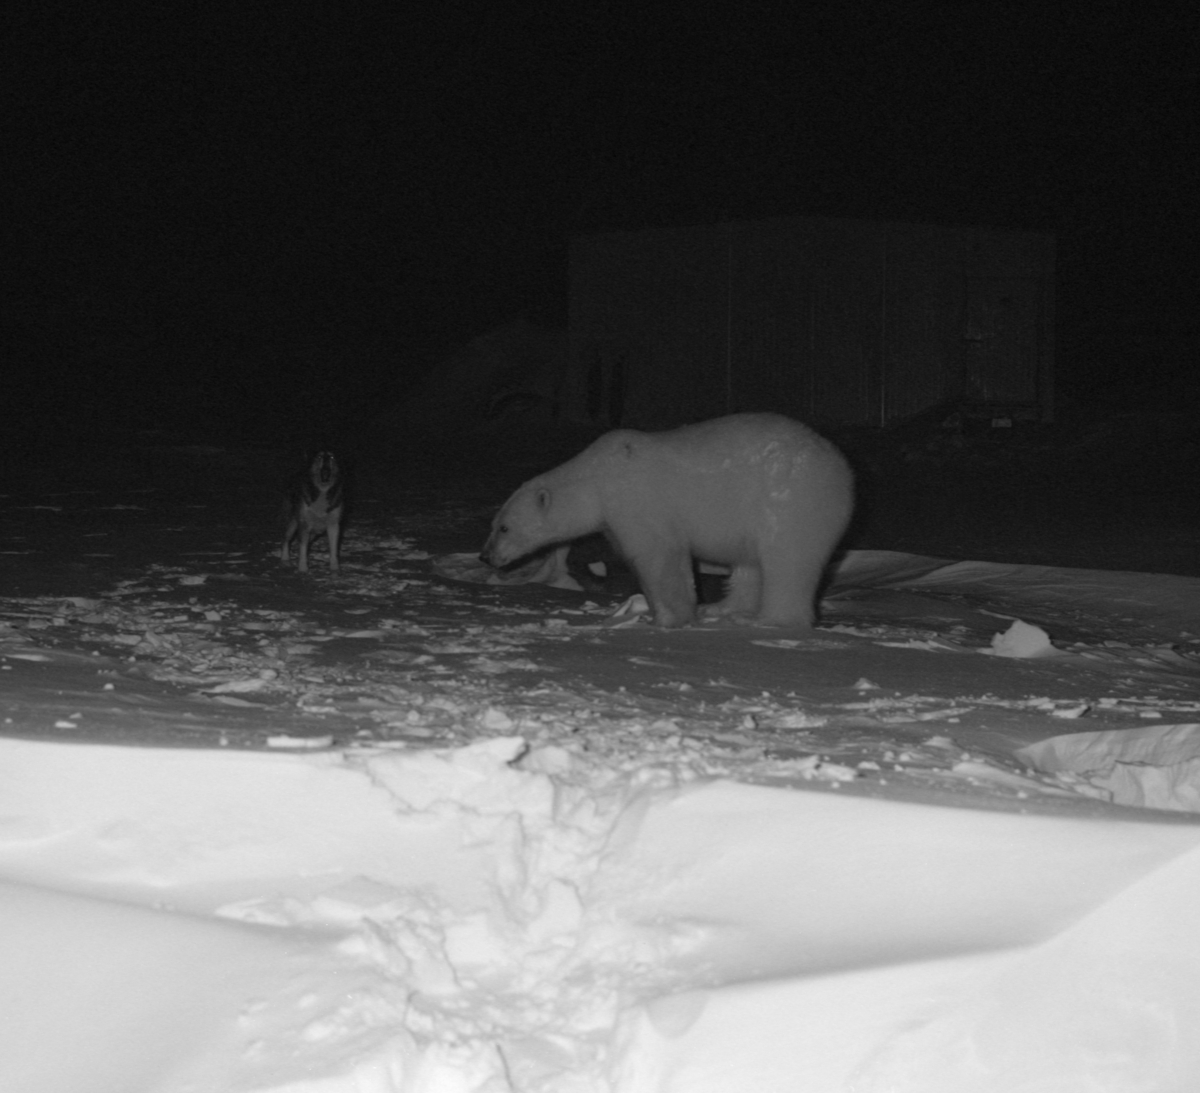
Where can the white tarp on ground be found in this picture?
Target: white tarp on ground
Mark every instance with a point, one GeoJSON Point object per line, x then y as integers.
{"type": "Point", "coordinates": [1163, 600]}
{"type": "Point", "coordinates": [489, 919]}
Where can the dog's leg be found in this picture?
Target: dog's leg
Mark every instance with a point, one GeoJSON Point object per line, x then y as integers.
{"type": "Point", "coordinates": [333, 531]}
{"type": "Point", "coordinates": [287, 538]}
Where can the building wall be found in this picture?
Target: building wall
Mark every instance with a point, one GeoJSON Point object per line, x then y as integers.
{"type": "Point", "coordinates": [834, 321]}
{"type": "Point", "coordinates": [806, 317]}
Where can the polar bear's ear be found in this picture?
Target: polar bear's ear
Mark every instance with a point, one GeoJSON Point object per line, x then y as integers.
{"type": "Point", "coordinates": [542, 498]}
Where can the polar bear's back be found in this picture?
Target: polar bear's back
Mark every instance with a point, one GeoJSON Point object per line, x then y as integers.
{"type": "Point", "coordinates": [723, 484]}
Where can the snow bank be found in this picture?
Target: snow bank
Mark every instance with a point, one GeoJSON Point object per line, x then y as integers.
{"type": "Point", "coordinates": [1154, 767]}
{"type": "Point", "coordinates": [495, 918]}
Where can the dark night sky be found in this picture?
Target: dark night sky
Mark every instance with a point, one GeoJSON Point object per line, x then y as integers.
{"type": "Point", "coordinates": [202, 199]}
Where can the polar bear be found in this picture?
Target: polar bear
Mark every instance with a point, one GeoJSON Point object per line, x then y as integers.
{"type": "Point", "coordinates": [759, 493]}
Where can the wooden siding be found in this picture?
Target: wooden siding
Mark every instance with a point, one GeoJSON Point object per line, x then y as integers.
{"type": "Point", "coordinates": [829, 320]}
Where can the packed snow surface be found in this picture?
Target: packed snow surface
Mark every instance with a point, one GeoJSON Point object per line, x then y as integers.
{"type": "Point", "coordinates": [509, 916]}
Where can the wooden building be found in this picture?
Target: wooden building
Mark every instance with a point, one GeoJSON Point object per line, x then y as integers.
{"type": "Point", "coordinates": [831, 321]}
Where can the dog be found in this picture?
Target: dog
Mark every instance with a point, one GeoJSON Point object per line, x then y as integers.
{"type": "Point", "coordinates": [314, 504]}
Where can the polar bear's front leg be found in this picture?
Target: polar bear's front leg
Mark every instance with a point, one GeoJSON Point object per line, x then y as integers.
{"type": "Point", "coordinates": [668, 585]}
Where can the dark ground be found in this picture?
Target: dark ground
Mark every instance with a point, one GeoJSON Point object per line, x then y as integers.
{"type": "Point", "coordinates": [1118, 493]}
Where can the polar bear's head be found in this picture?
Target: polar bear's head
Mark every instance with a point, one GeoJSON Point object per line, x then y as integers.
{"type": "Point", "coordinates": [555, 507]}
{"type": "Point", "coordinates": [522, 526]}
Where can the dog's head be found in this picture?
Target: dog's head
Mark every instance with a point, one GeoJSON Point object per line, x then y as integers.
{"type": "Point", "coordinates": [324, 469]}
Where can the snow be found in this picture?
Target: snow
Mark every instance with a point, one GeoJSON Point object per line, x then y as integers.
{"type": "Point", "coordinates": [383, 833]}
{"type": "Point", "coordinates": [507, 916]}
{"type": "Point", "coordinates": [1156, 767]}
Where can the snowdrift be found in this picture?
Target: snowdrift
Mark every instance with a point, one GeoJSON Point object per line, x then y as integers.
{"type": "Point", "coordinates": [500, 917]}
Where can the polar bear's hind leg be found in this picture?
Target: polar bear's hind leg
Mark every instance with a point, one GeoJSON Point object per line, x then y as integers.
{"type": "Point", "coordinates": [743, 594]}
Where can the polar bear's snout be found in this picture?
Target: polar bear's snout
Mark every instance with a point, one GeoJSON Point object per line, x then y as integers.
{"type": "Point", "coordinates": [488, 554]}
{"type": "Point", "coordinates": [499, 550]}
